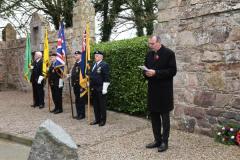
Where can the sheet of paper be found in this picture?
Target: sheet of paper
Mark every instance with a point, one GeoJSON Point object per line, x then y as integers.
{"type": "Point", "coordinates": [143, 68]}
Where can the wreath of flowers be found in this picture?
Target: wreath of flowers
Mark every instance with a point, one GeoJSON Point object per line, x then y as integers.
{"type": "Point", "coordinates": [238, 137]}
{"type": "Point", "coordinates": [228, 134]}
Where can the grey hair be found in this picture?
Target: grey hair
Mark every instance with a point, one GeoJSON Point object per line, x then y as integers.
{"type": "Point", "coordinates": [158, 39]}
{"type": "Point", "coordinates": [38, 53]}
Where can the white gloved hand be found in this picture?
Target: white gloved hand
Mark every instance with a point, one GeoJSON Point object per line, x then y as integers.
{"type": "Point", "coordinates": [68, 76]}
{"type": "Point", "coordinates": [31, 67]}
{"type": "Point", "coordinates": [105, 87]}
{"type": "Point", "coordinates": [60, 84]}
{"type": "Point", "coordinates": [40, 78]}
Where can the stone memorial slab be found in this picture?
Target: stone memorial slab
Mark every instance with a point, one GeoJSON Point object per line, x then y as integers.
{"type": "Point", "coordinates": [51, 142]}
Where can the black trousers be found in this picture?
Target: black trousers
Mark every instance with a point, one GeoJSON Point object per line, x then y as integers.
{"type": "Point", "coordinates": [57, 97]}
{"type": "Point", "coordinates": [38, 94]}
{"type": "Point", "coordinates": [79, 101]}
{"type": "Point", "coordinates": [160, 126]}
{"type": "Point", "coordinates": [99, 105]}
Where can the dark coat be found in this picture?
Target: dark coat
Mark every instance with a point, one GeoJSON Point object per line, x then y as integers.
{"type": "Point", "coordinates": [99, 75]}
{"type": "Point", "coordinates": [37, 71]}
{"type": "Point", "coordinates": [160, 87]}
{"type": "Point", "coordinates": [75, 74]}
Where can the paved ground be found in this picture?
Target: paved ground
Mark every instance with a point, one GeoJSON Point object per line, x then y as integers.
{"type": "Point", "coordinates": [122, 138]}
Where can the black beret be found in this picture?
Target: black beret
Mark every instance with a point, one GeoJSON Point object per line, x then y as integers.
{"type": "Point", "coordinates": [98, 52]}
{"type": "Point", "coordinates": [78, 52]}
{"type": "Point", "coordinates": [53, 54]}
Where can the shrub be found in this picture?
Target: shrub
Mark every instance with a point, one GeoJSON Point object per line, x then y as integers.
{"type": "Point", "coordinates": [128, 88]}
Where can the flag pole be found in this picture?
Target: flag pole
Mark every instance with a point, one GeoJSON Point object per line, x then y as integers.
{"type": "Point", "coordinates": [88, 91]}
{"type": "Point", "coordinates": [89, 118]}
{"type": "Point", "coordinates": [49, 101]}
{"type": "Point", "coordinates": [69, 85]}
{"type": "Point", "coordinates": [88, 68]}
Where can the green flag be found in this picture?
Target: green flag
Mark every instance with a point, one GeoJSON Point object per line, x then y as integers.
{"type": "Point", "coordinates": [27, 59]}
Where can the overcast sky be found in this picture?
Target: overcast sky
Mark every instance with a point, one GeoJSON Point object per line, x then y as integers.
{"type": "Point", "coordinates": [115, 36]}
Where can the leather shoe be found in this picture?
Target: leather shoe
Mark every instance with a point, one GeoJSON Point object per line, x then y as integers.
{"type": "Point", "coordinates": [80, 117]}
{"type": "Point", "coordinates": [33, 106]}
{"type": "Point", "coordinates": [163, 147]}
{"type": "Point", "coordinates": [52, 111]}
{"type": "Point", "coordinates": [41, 106]}
{"type": "Point", "coordinates": [153, 145]}
{"type": "Point", "coordinates": [94, 123]}
{"type": "Point", "coordinates": [101, 123]}
{"type": "Point", "coordinates": [58, 111]}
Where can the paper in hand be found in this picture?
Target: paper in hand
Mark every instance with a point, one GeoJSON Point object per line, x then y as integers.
{"type": "Point", "coordinates": [143, 68]}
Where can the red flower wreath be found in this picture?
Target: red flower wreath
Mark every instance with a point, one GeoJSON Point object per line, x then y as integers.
{"type": "Point", "coordinates": [238, 137]}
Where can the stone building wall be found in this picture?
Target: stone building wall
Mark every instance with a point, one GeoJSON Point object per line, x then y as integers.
{"type": "Point", "coordinates": [2, 66]}
{"type": "Point", "coordinates": [11, 62]}
{"type": "Point", "coordinates": [205, 35]}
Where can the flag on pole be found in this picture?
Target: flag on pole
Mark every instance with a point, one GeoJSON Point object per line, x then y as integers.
{"type": "Point", "coordinates": [61, 49]}
{"type": "Point", "coordinates": [45, 55]}
{"type": "Point", "coordinates": [85, 60]}
{"type": "Point", "coordinates": [27, 59]}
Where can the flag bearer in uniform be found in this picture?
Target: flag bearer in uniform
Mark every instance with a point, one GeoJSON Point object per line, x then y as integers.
{"type": "Point", "coordinates": [99, 82]}
{"type": "Point", "coordinates": [75, 78]}
{"type": "Point", "coordinates": [56, 83]}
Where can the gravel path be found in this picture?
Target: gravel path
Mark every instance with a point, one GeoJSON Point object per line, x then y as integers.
{"type": "Point", "coordinates": [122, 138]}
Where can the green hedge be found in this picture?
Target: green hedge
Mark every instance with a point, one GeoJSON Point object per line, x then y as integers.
{"type": "Point", "coordinates": [128, 88]}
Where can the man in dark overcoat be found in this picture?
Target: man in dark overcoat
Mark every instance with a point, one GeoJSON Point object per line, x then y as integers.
{"type": "Point", "coordinates": [161, 65]}
{"type": "Point", "coordinates": [37, 80]}
{"type": "Point", "coordinates": [99, 82]}
{"type": "Point", "coordinates": [56, 83]}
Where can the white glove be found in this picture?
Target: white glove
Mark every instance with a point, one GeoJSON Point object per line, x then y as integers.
{"type": "Point", "coordinates": [60, 83]}
{"type": "Point", "coordinates": [68, 76]}
{"type": "Point", "coordinates": [31, 67]}
{"type": "Point", "coordinates": [105, 87]}
{"type": "Point", "coordinates": [40, 78]}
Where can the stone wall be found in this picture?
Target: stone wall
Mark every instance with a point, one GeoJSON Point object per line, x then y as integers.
{"type": "Point", "coordinates": [2, 66]}
{"type": "Point", "coordinates": [11, 65]}
{"type": "Point", "coordinates": [205, 35]}
{"type": "Point", "coordinates": [8, 33]}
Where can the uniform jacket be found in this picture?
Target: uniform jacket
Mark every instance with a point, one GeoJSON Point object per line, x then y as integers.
{"type": "Point", "coordinates": [75, 74]}
{"type": "Point", "coordinates": [98, 75]}
{"type": "Point", "coordinates": [36, 71]}
{"type": "Point", "coordinates": [160, 87]}
{"type": "Point", "coordinates": [53, 76]}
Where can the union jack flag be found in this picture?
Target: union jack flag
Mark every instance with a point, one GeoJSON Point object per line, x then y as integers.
{"type": "Point", "coordinates": [61, 49]}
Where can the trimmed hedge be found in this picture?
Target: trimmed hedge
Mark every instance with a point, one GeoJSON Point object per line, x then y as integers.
{"type": "Point", "coordinates": [128, 88]}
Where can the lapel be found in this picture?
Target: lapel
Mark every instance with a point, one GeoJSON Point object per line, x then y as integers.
{"type": "Point", "coordinates": [95, 66]}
